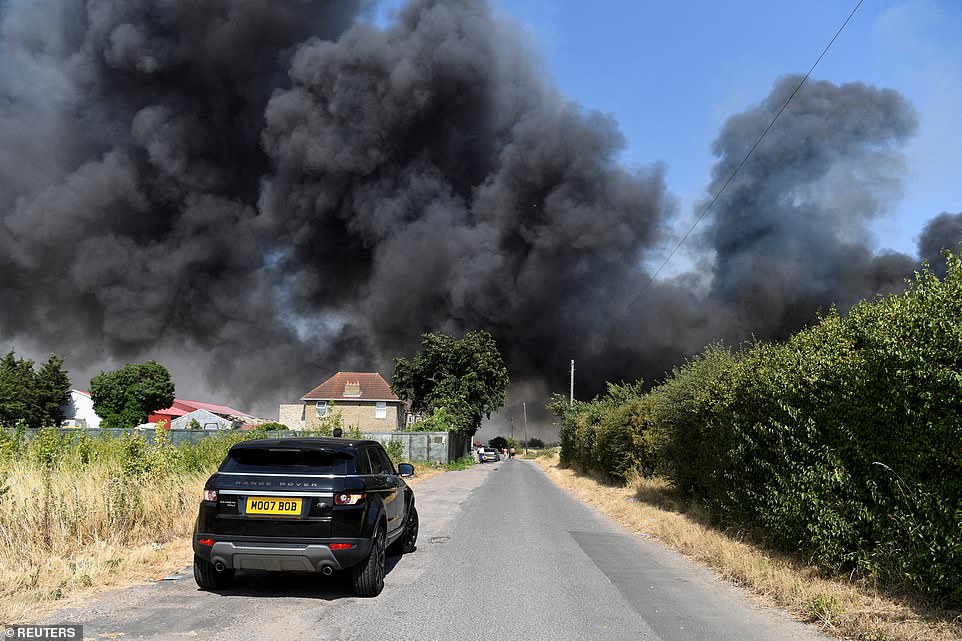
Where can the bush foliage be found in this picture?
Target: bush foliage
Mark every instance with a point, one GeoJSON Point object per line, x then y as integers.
{"type": "Point", "coordinates": [843, 443]}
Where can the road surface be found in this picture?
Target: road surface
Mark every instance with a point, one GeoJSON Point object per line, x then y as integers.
{"type": "Point", "coordinates": [503, 554]}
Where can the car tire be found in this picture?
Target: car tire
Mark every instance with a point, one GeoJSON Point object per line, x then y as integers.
{"type": "Point", "coordinates": [408, 541]}
{"type": "Point", "coordinates": [210, 578]}
{"type": "Point", "coordinates": [369, 574]}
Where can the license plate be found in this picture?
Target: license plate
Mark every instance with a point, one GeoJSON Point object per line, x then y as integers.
{"type": "Point", "coordinates": [273, 505]}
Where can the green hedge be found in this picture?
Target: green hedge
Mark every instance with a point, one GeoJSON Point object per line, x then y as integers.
{"type": "Point", "coordinates": [610, 435]}
{"type": "Point", "coordinates": [843, 443]}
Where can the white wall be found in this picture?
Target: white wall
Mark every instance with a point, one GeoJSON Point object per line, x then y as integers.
{"type": "Point", "coordinates": [80, 407]}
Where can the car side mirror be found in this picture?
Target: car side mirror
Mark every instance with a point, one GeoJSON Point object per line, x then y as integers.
{"type": "Point", "coordinates": [405, 470]}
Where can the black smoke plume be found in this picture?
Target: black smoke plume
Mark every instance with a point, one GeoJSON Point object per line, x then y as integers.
{"type": "Point", "coordinates": [790, 234]}
{"type": "Point", "coordinates": [261, 193]}
{"type": "Point", "coordinates": [944, 232]}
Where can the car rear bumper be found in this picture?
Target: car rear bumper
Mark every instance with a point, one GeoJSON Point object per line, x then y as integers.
{"type": "Point", "coordinates": [301, 556]}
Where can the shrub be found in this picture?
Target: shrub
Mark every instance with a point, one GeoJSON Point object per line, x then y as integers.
{"type": "Point", "coordinates": [597, 435]}
{"type": "Point", "coordinates": [395, 449]}
{"type": "Point", "coordinates": [841, 443]}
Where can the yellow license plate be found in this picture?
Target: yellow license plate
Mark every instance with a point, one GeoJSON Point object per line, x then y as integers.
{"type": "Point", "coordinates": [273, 505]}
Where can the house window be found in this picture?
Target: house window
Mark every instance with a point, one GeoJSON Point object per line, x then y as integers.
{"type": "Point", "coordinates": [321, 409]}
{"type": "Point", "coordinates": [380, 409]}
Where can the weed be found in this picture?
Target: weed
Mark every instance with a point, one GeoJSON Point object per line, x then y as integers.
{"type": "Point", "coordinates": [462, 463]}
{"type": "Point", "coordinates": [395, 449]}
{"type": "Point", "coordinates": [823, 607]}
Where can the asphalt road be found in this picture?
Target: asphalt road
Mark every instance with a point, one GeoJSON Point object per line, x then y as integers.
{"type": "Point", "coordinates": [503, 554]}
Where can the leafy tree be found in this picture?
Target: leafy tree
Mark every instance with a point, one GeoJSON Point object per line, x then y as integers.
{"type": "Point", "coordinates": [33, 398]}
{"type": "Point", "coordinates": [126, 397]}
{"type": "Point", "coordinates": [535, 443]}
{"type": "Point", "coordinates": [466, 377]}
{"type": "Point", "coordinates": [498, 443]}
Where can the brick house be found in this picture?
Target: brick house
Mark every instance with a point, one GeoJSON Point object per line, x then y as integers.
{"type": "Point", "coordinates": [364, 399]}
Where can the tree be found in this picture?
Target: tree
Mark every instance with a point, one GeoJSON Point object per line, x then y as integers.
{"type": "Point", "coordinates": [16, 389]}
{"type": "Point", "coordinates": [51, 385]}
{"type": "Point", "coordinates": [466, 377]}
{"type": "Point", "coordinates": [33, 398]}
{"type": "Point", "coordinates": [498, 443]}
{"type": "Point", "coordinates": [126, 397]}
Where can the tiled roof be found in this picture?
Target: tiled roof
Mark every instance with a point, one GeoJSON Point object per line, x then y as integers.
{"type": "Point", "coordinates": [368, 386]}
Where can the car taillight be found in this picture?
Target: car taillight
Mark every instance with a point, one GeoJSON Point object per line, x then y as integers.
{"type": "Point", "coordinates": [210, 495]}
{"type": "Point", "coordinates": [341, 546]}
{"type": "Point", "coordinates": [207, 542]}
{"type": "Point", "coordinates": [348, 499]}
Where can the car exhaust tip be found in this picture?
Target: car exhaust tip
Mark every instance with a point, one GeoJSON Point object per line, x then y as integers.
{"type": "Point", "coordinates": [327, 570]}
{"type": "Point", "coordinates": [220, 567]}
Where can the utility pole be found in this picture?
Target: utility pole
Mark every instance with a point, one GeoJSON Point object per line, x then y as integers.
{"type": "Point", "coordinates": [571, 397]}
{"type": "Point", "coordinates": [512, 427]}
{"type": "Point", "coordinates": [524, 408]}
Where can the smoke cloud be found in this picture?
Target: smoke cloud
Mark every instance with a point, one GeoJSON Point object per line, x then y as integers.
{"type": "Point", "coordinates": [790, 232]}
{"type": "Point", "coordinates": [944, 232]}
{"type": "Point", "coordinates": [258, 194]}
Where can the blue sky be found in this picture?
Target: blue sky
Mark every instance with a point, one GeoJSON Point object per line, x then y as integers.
{"type": "Point", "coordinates": [671, 73]}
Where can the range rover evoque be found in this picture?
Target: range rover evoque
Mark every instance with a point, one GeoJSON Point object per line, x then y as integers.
{"type": "Point", "coordinates": [304, 505]}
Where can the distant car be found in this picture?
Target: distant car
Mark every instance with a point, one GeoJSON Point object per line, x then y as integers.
{"type": "Point", "coordinates": [304, 504]}
{"type": "Point", "coordinates": [488, 454]}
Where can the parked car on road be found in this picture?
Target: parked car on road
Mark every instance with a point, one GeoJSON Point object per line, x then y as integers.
{"type": "Point", "coordinates": [304, 504]}
{"type": "Point", "coordinates": [488, 454]}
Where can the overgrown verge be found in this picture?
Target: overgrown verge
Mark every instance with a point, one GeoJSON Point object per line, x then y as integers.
{"type": "Point", "coordinates": [842, 444]}
{"type": "Point", "coordinates": [79, 513]}
{"type": "Point", "coordinates": [846, 608]}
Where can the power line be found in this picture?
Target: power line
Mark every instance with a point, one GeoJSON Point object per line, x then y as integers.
{"type": "Point", "coordinates": [734, 173]}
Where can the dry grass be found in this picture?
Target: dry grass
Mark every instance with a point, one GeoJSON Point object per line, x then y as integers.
{"type": "Point", "coordinates": [423, 471]}
{"type": "Point", "coordinates": [845, 609]}
{"type": "Point", "coordinates": [67, 533]}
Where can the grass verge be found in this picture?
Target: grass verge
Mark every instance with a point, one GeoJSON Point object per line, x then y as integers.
{"type": "Point", "coordinates": [66, 534]}
{"type": "Point", "coordinates": [845, 609]}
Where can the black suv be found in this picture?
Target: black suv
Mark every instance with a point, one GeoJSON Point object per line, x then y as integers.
{"type": "Point", "coordinates": [304, 505]}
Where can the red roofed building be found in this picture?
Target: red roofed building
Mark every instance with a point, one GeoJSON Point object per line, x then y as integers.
{"type": "Point", "coordinates": [364, 399]}
{"type": "Point", "coordinates": [182, 407]}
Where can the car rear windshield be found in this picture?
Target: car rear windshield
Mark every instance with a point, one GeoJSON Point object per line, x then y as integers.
{"type": "Point", "coordinates": [288, 461]}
